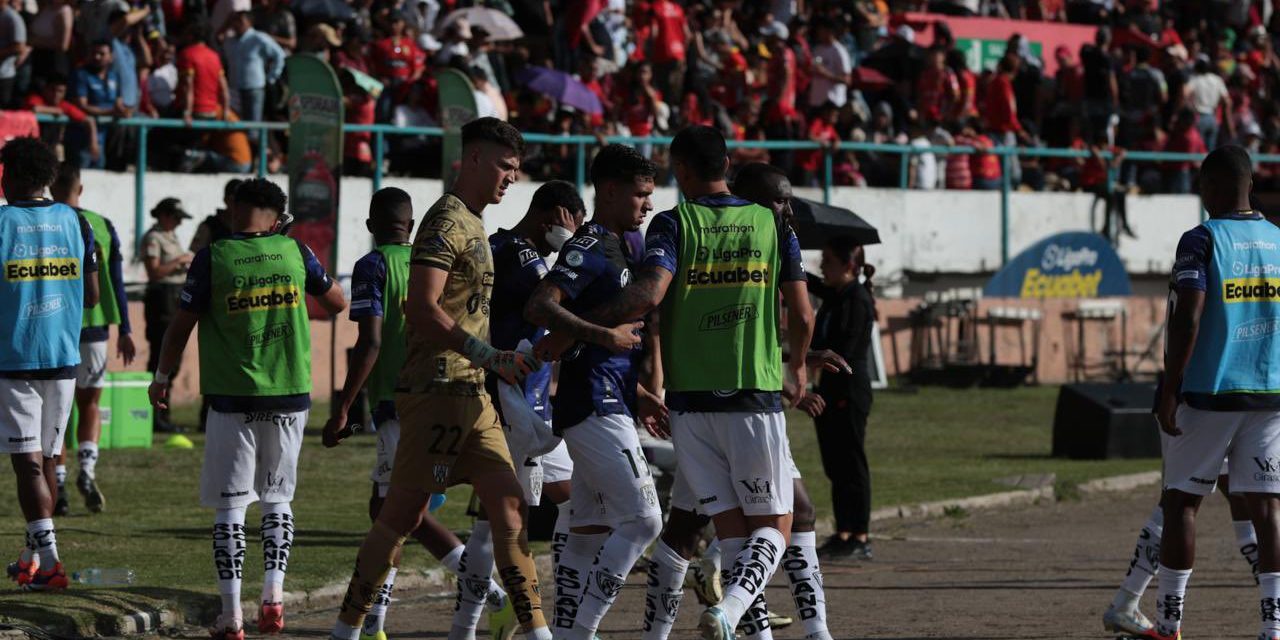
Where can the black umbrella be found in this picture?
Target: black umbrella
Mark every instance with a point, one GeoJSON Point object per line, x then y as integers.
{"type": "Point", "coordinates": [814, 222]}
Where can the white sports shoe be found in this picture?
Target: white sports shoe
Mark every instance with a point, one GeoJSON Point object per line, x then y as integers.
{"type": "Point", "coordinates": [704, 577]}
{"type": "Point", "coordinates": [1132, 622]}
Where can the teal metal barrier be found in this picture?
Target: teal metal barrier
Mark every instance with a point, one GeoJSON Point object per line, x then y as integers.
{"type": "Point", "coordinates": [583, 143]}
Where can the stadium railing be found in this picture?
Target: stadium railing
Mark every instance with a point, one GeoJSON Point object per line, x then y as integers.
{"type": "Point", "coordinates": [584, 143]}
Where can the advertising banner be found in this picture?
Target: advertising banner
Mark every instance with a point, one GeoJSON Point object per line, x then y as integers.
{"type": "Point", "coordinates": [315, 159]}
{"type": "Point", "coordinates": [1066, 265]}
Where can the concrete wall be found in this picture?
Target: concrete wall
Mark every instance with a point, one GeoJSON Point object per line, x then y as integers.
{"type": "Point", "coordinates": [945, 231]}
{"type": "Point", "coordinates": [956, 232]}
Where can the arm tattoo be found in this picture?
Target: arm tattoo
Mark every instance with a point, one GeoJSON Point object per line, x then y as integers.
{"type": "Point", "coordinates": [633, 302]}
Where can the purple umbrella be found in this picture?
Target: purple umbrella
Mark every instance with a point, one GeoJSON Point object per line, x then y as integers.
{"type": "Point", "coordinates": [561, 87]}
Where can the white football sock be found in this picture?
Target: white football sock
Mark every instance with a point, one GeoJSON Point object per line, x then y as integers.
{"type": "Point", "coordinates": [560, 536]}
{"type": "Point", "coordinates": [1269, 586]}
{"type": "Point", "coordinates": [277, 542]}
{"type": "Point", "coordinates": [42, 540]}
{"type": "Point", "coordinates": [571, 578]}
{"type": "Point", "coordinates": [664, 592]}
{"type": "Point", "coordinates": [228, 558]}
{"type": "Point", "coordinates": [753, 566]}
{"type": "Point", "coordinates": [474, 576]}
{"type": "Point", "coordinates": [713, 553]}
{"type": "Point", "coordinates": [614, 561]}
{"type": "Point", "coordinates": [754, 624]}
{"type": "Point", "coordinates": [1247, 544]}
{"type": "Point", "coordinates": [88, 455]}
{"type": "Point", "coordinates": [497, 597]}
{"type": "Point", "coordinates": [453, 559]}
{"type": "Point", "coordinates": [377, 616]}
{"type": "Point", "coordinates": [60, 474]}
{"type": "Point", "coordinates": [1170, 598]}
{"type": "Point", "coordinates": [1144, 566]}
{"type": "Point", "coordinates": [801, 566]}
{"type": "Point", "coordinates": [343, 631]}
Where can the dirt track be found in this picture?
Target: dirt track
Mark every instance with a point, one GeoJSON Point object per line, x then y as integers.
{"type": "Point", "coordinates": [1046, 571]}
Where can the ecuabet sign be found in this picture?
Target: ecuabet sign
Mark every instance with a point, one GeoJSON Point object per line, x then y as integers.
{"type": "Point", "coordinates": [1066, 265]}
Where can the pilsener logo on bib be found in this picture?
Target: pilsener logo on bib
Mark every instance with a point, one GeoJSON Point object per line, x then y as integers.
{"type": "Point", "coordinates": [1251, 290]}
{"type": "Point", "coordinates": [263, 299]}
{"type": "Point", "coordinates": [33, 269]}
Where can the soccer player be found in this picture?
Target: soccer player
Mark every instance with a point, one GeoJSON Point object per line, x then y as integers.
{"type": "Point", "coordinates": [768, 187]}
{"type": "Point", "coordinates": [1221, 394]}
{"type": "Point", "coordinates": [449, 431]}
{"type": "Point", "coordinates": [112, 309]}
{"type": "Point", "coordinates": [246, 294]}
{"type": "Point", "coordinates": [50, 276]}
{"type": "Point", "coordinates": [615, 512]}
{"type": "Point", "coordinates": [724, 260]}
{"type": "Point", "coordinates": [379, 287]}
{"type": "Point", "coordinates": [554, 214]}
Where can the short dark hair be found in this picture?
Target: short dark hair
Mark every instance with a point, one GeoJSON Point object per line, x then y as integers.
{"type": "Point", "coordinates": [262, 194]}
{"type": "Point", "coordinates": [229, 189]}
{"type": "Point", "coordinates": [702, 149]}
{"type": "Point", "coordinates": [753, 174]}
{"type": "Point", "coordinates": [68, 177]}
{"type": "Point", "coordinates": [490, 129]}
{"type": "Point", "coordinates": [100, 42]}
{"type": "Point", "coordinates": [620, 163]}
{"type": "Point", "coordinates": [558, 193]}
{"type": "Point", "coordinates": [29, 165]}
{"type": "Point", "coordinates": [1227, 165]}
{"type": "Point", "coordinates": [387, 201]}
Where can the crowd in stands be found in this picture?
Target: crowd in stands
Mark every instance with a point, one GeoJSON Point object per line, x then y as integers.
{"type": "Point", "coordinates": [1175, 75]}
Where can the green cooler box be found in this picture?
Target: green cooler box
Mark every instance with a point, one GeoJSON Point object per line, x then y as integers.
{"type": "Point", "coordinates": [126, 412]}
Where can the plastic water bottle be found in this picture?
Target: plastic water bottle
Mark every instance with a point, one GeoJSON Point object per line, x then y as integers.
{"type": "Point", "coordinates": [104, 577]}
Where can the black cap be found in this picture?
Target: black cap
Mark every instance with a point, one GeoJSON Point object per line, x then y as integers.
{"type": "Point", "coordinates": [172, 207]}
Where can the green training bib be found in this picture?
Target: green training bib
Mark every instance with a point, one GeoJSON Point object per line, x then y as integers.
{"type": "Point", "coordinates": [107, 311]}
{"type": "Point", "coordinates": [391, 357]}
{"type": "Point", "coordinates": [256, 340]}
{"type": "Point", "coordinates": [720, 316]}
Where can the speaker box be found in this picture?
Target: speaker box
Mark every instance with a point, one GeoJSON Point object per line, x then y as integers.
{"type": "Point", "coordinates": [1097, 421]}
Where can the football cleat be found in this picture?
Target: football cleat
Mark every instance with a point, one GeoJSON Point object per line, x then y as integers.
{"type": "Point", "coordinates": [502, 622]}
{"type": "Point", "coordinates": [22, 571]}
{"type": "Point", "coordinates": [93, 498]}
{"type": "Point", "coordinates": [714, 625]}
{"type": "Point", "coordinates": [54, 579]}
{"type": "Point", "coordinates": [705, 580]}
{"type": "Point", "coordinates": [380, 635]}
{"type": "Point", "coordinates": [1131, 622]}
{"type": "Point", "coordinates": [227, 628]}
{"type": "Point", "coordinates": [271, 617]}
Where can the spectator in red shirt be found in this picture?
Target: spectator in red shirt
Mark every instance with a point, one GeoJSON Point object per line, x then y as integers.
{"type": "Point", "coordinates": [782, 71]}
{"type": "Point", "coordinates": [966, 104]}
{"type": "Point", "coordinates": [1183, 138]}
{"type": "Point", "coordinates": [1000, 108]}
{"type": "Point", "coordinates": [52, 101]}
{"type": "Point", "coordinates": [670, 37]}
{"type": "Point", "coordinates": [202, 82]}
{"type": "Point", "coordinates": [937, 89]}
{"type": "Point", "coordinates": [1069, 79]}
{"type": "Point", "coordinates": [395, 58]}
{"type": "Point", "coordinates": [352, 54]}
{"type": "Point", "coordinates": [984, 167]}
{"type": "Point", "coordinates": [356, 149]}
{"type": "Point", "coordinates": [822, 129]}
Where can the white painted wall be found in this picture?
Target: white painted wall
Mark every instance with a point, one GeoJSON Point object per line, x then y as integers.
{"type": "Point", "coordinates": [951, 231]}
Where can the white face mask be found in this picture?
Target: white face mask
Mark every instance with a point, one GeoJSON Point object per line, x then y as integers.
{"type": "Point", "coordinates": [557, 236]}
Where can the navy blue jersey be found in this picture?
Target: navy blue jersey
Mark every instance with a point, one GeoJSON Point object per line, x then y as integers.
{"type": "Point", "coordinates": [592, 269]}
{"type": "Point", "coordinates": [196, 297]}
{"type": "Point", "coordinates": [517, 270]}
{"type": "Point", "coordinates": [662, 250]}
{"type": "Point", "coordinates": [368, 281]}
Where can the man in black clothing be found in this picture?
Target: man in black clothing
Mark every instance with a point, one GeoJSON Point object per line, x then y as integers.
{"type": "Point", "coordinates": [218, 225]}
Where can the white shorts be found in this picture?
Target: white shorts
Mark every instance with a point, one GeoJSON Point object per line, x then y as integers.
{"type": "Point", "coordinates": [92, 371]}
{"type": "Point", "coordinates": [388, 435]}
{"type": "Point", "coordinates": [250, 457]}
{"type": "Point", "coordinates": [1250, 441]}
{"type": "Point", "coordinates": [682, 494]}
{"type": "Point", "coordinates": [33, 415]}
{"type": "Point", "coordinates": [735, 460]}
{"type": "Point", "coordinates": [557, 466]}
{"type": "Point", "coordinates": [611, 480]}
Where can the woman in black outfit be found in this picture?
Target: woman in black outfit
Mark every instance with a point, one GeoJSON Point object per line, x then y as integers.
{"type": "Point", "coordinates": [843, 400]}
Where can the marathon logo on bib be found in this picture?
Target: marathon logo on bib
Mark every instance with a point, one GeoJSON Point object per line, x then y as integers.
{"type": "Point", "coordinates": [1251, 290]}
{"type": "Point", "coordinates": [263, 299]}
{"type": "Point", "coordinates": [747, 274]}
{"type": "Point", "coordinates": [34, 269]}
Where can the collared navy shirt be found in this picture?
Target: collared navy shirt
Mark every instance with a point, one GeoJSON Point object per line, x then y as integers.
{"type": "Point", "coordinates": [592, 269]}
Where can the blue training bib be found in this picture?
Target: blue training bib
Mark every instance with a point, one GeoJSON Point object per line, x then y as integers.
{"type": "Point", "coordinates": [41, 286]}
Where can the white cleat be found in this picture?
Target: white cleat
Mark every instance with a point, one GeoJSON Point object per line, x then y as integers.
{"type": "Point", "coordinates": [1131, 622]}
{"type": "Point", "coordinates": [713, 625]}
{"type": "Point", "coordinates": [704, 577]}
